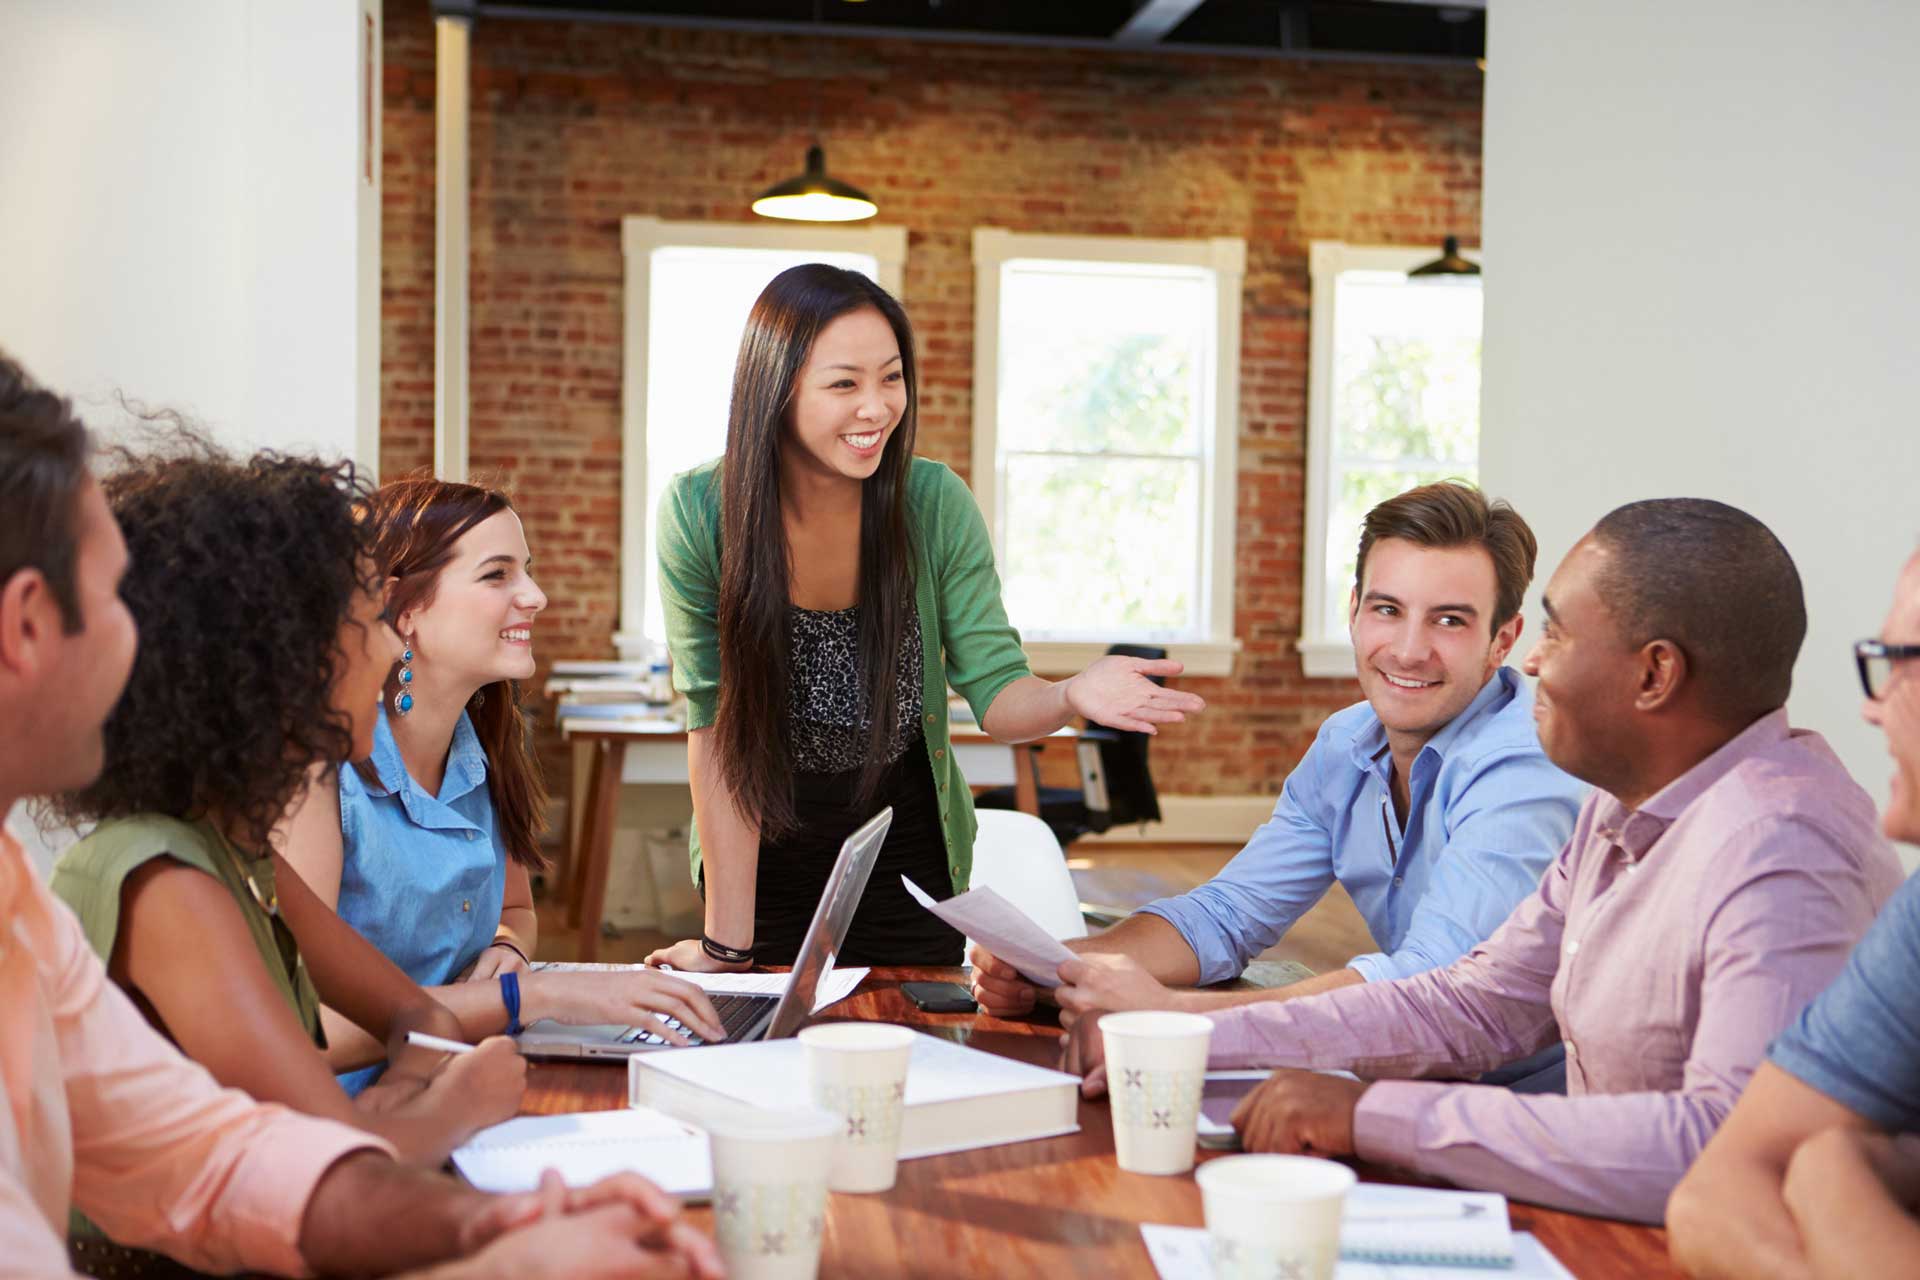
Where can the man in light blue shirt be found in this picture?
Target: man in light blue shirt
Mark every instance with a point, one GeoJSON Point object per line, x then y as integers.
{"type": "Point", "coordinates": [1431, 802]}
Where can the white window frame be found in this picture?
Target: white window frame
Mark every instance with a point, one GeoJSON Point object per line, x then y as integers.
{"type": "Point", "coordinates": [639, 237]}
{"type": "Point", "coordinates": [1332, 655]}
{"type": "Point", "coordinates": [1226, 256]}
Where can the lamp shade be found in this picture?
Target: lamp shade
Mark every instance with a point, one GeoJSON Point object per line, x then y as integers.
{"type": "Point", "coordinates": [1448, 264]}
{"type": "Point", "coordinates": [815, 197]}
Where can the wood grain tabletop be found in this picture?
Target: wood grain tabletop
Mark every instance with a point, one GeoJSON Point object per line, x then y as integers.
{"type": "Point", "coordinates": [1052, 1207]}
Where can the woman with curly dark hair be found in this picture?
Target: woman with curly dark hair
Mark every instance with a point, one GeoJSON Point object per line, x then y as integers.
{"type": "Point", "coordinates": [424, 844]}
{"type": "Point", "coordinates": [262, 653]}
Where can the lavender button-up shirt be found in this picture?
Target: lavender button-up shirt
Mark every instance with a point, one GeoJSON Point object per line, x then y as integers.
{"type": "Point", "coordinates": [1666, 946]}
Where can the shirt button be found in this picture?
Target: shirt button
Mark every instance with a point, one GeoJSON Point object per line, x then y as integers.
{"type": "Point", "coordinates": [929, 717]}
{"type": "Point", "coordinates": [1573, 948]}
{"type": "Point", "coordinates": [1399, 879]}
{"type": "Point", "coordinates": [467, 905]}
{"type": "Point", "coordinates": [939, 752]}
{"type": "Point", "coordinates": [472, 835]}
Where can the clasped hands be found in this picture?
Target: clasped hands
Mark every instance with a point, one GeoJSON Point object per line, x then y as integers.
{"type": "Point", "coordinates": [617, 1227]}
{"type": "Point", "coordinates": [1292, 1111]}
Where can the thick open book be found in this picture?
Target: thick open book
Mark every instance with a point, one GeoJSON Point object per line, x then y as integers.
{"type": "Point", "coordinates": [957, 1098]}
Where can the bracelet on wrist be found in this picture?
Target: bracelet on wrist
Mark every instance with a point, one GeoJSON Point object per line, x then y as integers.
{"type": "Point", "coordinates": [510, 996]}
{"type": "Point", "coordinates": [511, 946]}
{"type": "Point", "coordinates": [723, 953]}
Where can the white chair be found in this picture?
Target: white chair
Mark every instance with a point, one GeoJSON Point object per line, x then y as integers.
{"type": "Point", "coordinates": [1016, 855]}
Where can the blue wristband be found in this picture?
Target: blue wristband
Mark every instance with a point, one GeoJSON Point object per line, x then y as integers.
{"type": "Point", "coordinates": [510, 992]}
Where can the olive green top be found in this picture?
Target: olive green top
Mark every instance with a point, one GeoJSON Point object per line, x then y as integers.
{"type": "Point", "coordinates": [964, 631]}
{"type": "Point", "coordinates": [89, 878]}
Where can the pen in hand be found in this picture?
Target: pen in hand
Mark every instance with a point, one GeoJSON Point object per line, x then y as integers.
{"type": "Point", "coordinates": [441, 1043]}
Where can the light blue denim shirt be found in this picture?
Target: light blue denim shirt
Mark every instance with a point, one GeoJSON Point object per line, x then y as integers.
{"type": "Point", "coordinates": [1488, 813]}
{"type": "Point", "coordinates": [422, 877]}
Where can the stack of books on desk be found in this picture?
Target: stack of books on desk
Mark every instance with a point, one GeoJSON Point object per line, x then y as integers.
{"type": "Point", "coordinates": [957, 1098]}
{"type": "Point", "coordinates": [619, 694]}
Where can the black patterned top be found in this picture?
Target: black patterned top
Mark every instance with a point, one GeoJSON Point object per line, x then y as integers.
{"type": "Point", "coordinates": [827, 718]}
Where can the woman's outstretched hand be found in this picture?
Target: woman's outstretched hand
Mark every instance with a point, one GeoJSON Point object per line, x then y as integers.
{"type": "Point", "coordinates": [1116, 691]}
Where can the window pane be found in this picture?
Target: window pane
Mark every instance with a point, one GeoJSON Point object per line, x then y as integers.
{"type": "Point", "coordinates": [1102, 548]}
{"type": "Point", "coordinates": [697, 303]}
{"type": "Point", "coordinates": [1407, 371]}
{"type": "Point", "coordinates": [1103, 357]}
{"type": "Point", "coordinates": [1358, 493]}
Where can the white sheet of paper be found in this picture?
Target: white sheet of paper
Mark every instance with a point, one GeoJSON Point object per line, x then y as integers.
{"type": "Point", "coordinates": [836, 986]}
{"type": "Point", "coordinates": [586, 1147]}
{"type": "Point", "coordinates": [1181, 1253]}
{"type": "Point", "coordinates": [1002, 928]}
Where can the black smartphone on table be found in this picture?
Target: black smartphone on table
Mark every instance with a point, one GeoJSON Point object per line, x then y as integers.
{"type": "Point", "coordinates": [939, 997]}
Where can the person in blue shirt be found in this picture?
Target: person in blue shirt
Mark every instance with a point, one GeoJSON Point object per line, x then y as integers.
{"type": "Point", "coordinates": [1816, 1172]}
{"type": "Point", "coordinates": [1431, 802]}
{"type": "Point", "coordinates": [426, 847]}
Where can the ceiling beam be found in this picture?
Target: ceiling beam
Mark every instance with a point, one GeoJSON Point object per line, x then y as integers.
{"type": "Point", "coordinates": [1153, 19]}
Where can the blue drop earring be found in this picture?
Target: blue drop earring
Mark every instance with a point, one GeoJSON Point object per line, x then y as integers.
{"type": "Point", "coordinates": [403, 697]}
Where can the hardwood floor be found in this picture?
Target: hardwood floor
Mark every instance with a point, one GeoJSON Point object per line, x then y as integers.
{"type": "Point", "coordinates": [1328, 936]}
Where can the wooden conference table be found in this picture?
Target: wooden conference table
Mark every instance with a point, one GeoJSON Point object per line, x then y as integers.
{"type": "Point", "coordinates": [656, 752]}
{"type": "Point", "coordinates": [1048, 1208]}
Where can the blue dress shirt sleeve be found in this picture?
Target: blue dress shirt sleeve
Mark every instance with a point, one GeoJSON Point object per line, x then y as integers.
{"type": "Point", "coordinates": [1859, 1041]}
{"type": "Point", "coordinates": [1508, 819]}
{"type": "Point", "coordinates": [1283, 870]}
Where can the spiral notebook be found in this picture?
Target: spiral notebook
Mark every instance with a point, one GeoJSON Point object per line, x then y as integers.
{"type": "Point", "coordinates": [1181, 1253]}
{"type": "Point", "coordinates": [587, 1146]}
{"type": "Point", "coordinates": [1422, 1225]}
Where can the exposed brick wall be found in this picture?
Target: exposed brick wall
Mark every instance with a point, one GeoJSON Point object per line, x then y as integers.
{"type": "Point", "coordinates": [575, 126]}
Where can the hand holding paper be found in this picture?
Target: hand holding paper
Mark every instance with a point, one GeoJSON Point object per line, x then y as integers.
{"type": "Point", "coordinates": [1001, 928]}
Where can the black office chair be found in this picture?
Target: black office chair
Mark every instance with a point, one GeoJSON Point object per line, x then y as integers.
{"type": "Point", "coordinates": [1116, 784]}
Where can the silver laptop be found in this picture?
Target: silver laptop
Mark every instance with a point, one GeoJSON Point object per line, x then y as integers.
{"type": "Point", "coordinates": [746, 1017]}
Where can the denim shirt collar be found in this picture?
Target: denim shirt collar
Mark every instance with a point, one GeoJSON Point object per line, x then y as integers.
{"type": "Point", "coordinates": [1369, 746]}
{"type": "Point", "coordinates": [466, 770]}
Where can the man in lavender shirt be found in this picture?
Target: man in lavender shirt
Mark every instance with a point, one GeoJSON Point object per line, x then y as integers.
{"type": "Point", "coordinates": [1713, 885]}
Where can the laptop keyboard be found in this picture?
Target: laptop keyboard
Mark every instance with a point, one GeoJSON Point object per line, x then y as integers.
{"type": "Point", "coordinates": [737, 1012]}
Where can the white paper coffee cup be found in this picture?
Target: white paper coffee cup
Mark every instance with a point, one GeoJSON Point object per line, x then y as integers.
{"type": "Point", "coordinates": [1273, 1215]}
{"type": "Point", "coordinates": [770, 1190]}
{"type": "Point", "coordinates": [1156, 1066]}
{"type": "Point", "coordinates": [858, 1071]}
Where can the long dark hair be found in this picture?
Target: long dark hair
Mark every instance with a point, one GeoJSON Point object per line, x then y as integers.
{"type": "Point", "coordinates": [245, 571]}
{"type": "Point", "coordinates": [754, 749]}
{"type": "Point", "coordinates": [415, 522]}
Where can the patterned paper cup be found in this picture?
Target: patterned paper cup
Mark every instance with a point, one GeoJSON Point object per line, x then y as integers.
{"type": "Point", "coordinates": [1273, 1215]}
{"type": "Point", "coordinates": [858, 1071]}
{"type": "Point", "coordinates": [1156, 1065]}
{"type": "Point", "coordinates": [770, 1191]}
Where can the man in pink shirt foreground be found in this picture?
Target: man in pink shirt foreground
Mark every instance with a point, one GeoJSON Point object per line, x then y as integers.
{"type": "Point", "coordinates": [101, 1112]}
{"type": "Point", "coordinates": [1714, 884]}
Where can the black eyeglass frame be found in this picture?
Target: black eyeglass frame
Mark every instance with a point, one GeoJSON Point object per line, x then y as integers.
{"type": "Point", "coordinates": [1867, 652]}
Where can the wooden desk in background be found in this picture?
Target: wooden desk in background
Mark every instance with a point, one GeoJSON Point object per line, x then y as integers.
{"type": "Point", "coordinates": [1052, 1207]}
{"type": "Point", "coordinates": [655, 752]}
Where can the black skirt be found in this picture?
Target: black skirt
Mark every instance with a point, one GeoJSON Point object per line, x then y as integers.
{"type": "Point", "coordinates": [889, 927]}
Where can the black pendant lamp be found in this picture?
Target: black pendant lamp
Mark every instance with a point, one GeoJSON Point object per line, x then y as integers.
{"type": "Point", "coordinates": [1449, 265]}
{"type": "Point", "coordinates": [815, 197]}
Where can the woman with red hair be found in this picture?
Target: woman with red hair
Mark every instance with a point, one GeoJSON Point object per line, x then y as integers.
{"type": "Point", "coordinates": [426, 847]}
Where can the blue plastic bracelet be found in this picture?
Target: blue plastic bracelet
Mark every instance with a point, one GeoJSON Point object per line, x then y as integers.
{"type": "Point", "coordinates": [510, 992]}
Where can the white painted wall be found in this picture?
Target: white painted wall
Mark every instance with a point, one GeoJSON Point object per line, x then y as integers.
{"type": "Point", "coordinates": [184, 212]}
{"type": "Point", "coordinates": [1703, 221]}
{"type": "Point", "coordinates": [186, 215]}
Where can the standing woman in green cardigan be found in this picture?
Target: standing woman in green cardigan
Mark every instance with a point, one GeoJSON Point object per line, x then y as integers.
{"type": "Point", "coordinates": [823, 587]}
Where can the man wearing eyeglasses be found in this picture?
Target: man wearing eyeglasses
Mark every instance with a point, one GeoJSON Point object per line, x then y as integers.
{"type": "Point", "coordinates": [1817, 1170]}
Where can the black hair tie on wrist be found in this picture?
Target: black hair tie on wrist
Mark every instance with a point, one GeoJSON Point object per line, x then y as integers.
{"type": "Point", "coordinates": [502, 942]}
{"type": "Point", "coordinates": [725, 954]}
